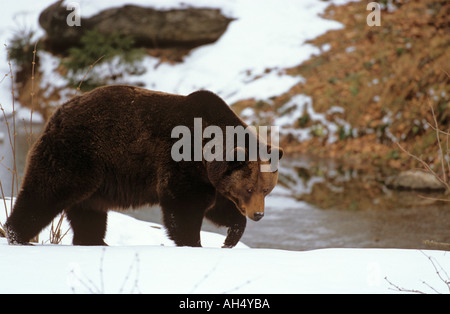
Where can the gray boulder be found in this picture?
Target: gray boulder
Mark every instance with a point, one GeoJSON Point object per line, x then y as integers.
{"type": "Point", "coordinates": [414, 180]}
{"type": "Point", "coordinates": [148, 27]}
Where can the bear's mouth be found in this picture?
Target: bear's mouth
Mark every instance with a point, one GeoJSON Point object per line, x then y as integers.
{"type": "Point", "coordinates": [236, 203]}
{"type": "Point", "coordinates": [255, 217]}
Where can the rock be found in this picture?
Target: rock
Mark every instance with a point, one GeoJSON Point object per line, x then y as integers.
{"type": "Point", "coordinates": [414, 180]}
{"type": "Point", "coordinates": [148, 27]}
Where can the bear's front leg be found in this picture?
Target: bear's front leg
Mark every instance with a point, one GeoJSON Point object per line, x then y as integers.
{"type": "Point", "coordinates": [234, 234]}
{"type": "Point", "coordinates": [224, 213]}
{"type": "Point", "coordinates": [183, 220]}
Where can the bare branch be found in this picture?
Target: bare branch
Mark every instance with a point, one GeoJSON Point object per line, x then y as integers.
{"type": "Point", "coordinates": [434, 198]}
{"type": "Point", "coordinates": [86, 74]}
{"type": "Point", "coordinates": [398, 288]}
{"type": "Point", "coordinates": [438, 272]}
{"type": "Point", "coordinates": [434, 128]}
{"type": "Point", "coordinates": [426, 166]}
{"type": "Point", "coordinates": [444, 174]}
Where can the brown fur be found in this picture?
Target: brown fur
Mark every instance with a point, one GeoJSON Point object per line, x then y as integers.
{"type": "Point", "coordinates": [110, 148]}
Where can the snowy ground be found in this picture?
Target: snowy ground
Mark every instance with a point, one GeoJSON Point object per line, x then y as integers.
{"type": "Point", "coordinates": [247, 61]}
{"type": "Point", "coordinates": [161, 269]}
{"type": "Point", "coordinates": [141, 259]}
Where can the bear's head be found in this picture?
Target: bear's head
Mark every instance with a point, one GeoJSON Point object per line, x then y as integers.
{"type": "Point", "coordinates": [243, 182]}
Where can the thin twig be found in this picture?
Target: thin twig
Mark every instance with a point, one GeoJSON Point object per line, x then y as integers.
{"type": "Point", "coordinates": [86, 74]}
{"type": "Point", "coordinates": [127, 276]}
{"type": "Point", "coordinates": [247, 282]}
{"type": "Point", "coordinates": [427, 167]}
{"type": "Point", "coordinates": [443, 156]}
{"type": "Point", "coordinates": [444, 280]}
{"type": "Point", "coordinates": [434, 128]}
{"type": "Point", "coordinates": [434, 198]}
{"type": "Point", "coordinates": [4, 199]}
{"type": "Point", "coordinates": [32, 87]}
{"type": "Point", "coordinates": [398, 288]}
{"type": "Point", "coordinates": [439, 144]}
{"type": "Point", "coordinates": [446, 155]}
{"type": "Point", "coordinates": [206, 276]}
{"type": "Point", "coordinates": [13, 141]}
{"type": "Point", "coordinates": [445, 72]}
{"type": "Point", "coordinates": [102, 258]}
{"type": "Point", "coordinates": [56, 235]}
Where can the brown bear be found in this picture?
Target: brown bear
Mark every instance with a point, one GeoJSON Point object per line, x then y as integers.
{"type": "Point", "coordinates": [111, 148]}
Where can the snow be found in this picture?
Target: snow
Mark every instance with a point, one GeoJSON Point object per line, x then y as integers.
{"type": "Point", "coordinates": [248, 61]}
{"type": "Point", "coordinates": [303, 104]}
{"type": "Point", "coordinates": [141, 259]}
{"type": "Point", "coordinates": [161, 269]}
{"type": "Point", "coordinates": [264, 36]}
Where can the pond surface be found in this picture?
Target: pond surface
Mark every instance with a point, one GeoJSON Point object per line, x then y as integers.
{"type": "Point", "coordinates": [351, 209]}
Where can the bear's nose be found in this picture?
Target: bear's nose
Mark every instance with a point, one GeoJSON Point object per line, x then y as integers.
{"type": "Point", "coordinates": [258, 215]}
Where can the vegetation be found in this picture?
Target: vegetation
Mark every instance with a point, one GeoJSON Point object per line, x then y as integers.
{"type": "Point", "coordinates": [114, 55]}
{"type": "Point", "coordinates": [116, 51]}
{"type": "Point", "coordinates": [392, 83]}
{"type": "Point", "coordinates": [21, 48]}
{"type": "Point", "coordinates": [384, 78]}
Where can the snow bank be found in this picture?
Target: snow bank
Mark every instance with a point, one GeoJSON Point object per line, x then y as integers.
{"type": "Point", "coordinates": [301, 105]}
{"type": "Point", "coordinates": [248, 61]}
{"type": "Point", "coordinates": [156, 269]}
{"type": "Point", "coordinates": [141, 259]}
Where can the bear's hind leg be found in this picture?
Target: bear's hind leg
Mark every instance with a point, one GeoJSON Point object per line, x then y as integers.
{"type": "Point", "coordinates": [30, 215]}
{"type": "Point", "coordinates": [88, 224]}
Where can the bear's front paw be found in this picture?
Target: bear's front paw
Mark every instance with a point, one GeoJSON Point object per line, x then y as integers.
{"type": "Point", "coordinates": [12, 242]}
{"type": "Point", "coordinates": [13, 238]}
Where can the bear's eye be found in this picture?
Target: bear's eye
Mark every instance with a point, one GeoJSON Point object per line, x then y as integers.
{"type": "Point", "coordinates": [250, 191]}
{"type": "Point", "coordinates": [265, 191]}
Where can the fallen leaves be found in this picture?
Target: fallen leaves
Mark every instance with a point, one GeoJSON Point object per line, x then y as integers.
{"type": "Point", "coordinates": [383, 78]}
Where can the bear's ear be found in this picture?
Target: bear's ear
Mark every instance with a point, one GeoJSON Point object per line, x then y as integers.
{"type": "Point", "coordinates": [218, 169]}
{"type": "Point", "coordinates": [274, 149]}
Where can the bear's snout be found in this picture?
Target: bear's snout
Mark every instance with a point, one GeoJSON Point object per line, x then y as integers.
{"type": "Point", "coordinates": [257, 216]}
{"type": "Point", "coordinates": [254, 207]}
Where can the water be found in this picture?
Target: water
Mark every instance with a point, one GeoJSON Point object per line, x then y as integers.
{"type": "Point", "coordinates": [23, 143]}
{"type": "Point", "coordinates": [348, 213]}
{"type": "Point", "coordinates": [305, 227]}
